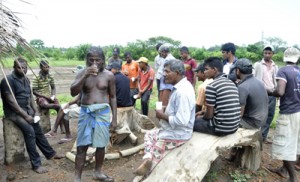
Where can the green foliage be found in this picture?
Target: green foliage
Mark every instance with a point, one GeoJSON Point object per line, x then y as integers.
{"type": "Point", "coordinates": [37, 43]}
{"type": "Point", "coordinates": [81, 51]}
{"type": "Point", "coordinates": [211, 176]}
{"type": "Point", "coordinates": [239, 177]}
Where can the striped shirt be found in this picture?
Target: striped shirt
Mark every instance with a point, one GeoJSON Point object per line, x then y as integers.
{"type": "Point", "coordinates": [223, 95]}
{"type": "Point", "coordinates": [41, 84]}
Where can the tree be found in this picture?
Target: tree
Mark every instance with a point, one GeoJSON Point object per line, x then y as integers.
{"type": "Point", "coordinates": [81, 51]}
{"type": "Point", "coordinates": [275, 42]}
{"type": "Point", "coordinates": [37, 43]}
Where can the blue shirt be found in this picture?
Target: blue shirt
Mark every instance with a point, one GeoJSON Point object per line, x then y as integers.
{"type": "Point", "coordinates": [181, 111]}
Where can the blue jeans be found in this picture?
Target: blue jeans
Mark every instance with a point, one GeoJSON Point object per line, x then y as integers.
{"type": "Point", "coordinates": [145, 102]}
{"type": "Point", "coordinates": [33, 136]}
{"type": "Point", "coordinates": [271, 112]}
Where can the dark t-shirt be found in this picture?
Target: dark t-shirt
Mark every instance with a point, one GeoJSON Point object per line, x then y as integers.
{"type": "Point", "coordinates": [22, 92]}
{"type": "Point", "coordinates": [253, 96]}
{"type": "Point", "coordinates": [123, 90]}
{"type": "Point", "coordinates": [290, 101]}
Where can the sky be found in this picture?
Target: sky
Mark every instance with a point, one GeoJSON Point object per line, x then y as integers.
{"type": "Point", "coordinates": [197, 23]}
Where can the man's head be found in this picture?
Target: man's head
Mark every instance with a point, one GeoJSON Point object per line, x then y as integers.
{"type": "Point", "coordinates": [127, 56]}
{"type": "Point", "coordinates": [268, 53]}
{"type": "Point", "coordinates": [157, 46]}
{"type": "Point", "coordinates": [200, 72]}
{"type": "Point", "coordinates": [116, 52]}
{"type": "Point", "coordinates": [164, 51]}
{"type": "Point", "coordinates": [44, 66]}
{"type": "Point", "coordinates": [213, 67]}
{"type": "Point", "coordinates": [143, 63]}
{"type": "Point", "coordinates": [95, 56]}
{"type": "Point", "coordinates": [173, 71]}
{"type": "Point", "coordinates": [228, 50]}
{"type": "Point", "coordinates": [184, 53]}
{"type": "Point", "coordinates": [114, 67]}
{"type": "Point", "coordinates": [243, 66]}
{"type": "Point", "coordinates": [20, 67]}
{"type": "Point", "coordinates": [291, 55]}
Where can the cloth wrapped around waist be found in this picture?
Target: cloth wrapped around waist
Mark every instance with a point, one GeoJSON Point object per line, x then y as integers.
{"type": "Point", "coordinates": [93, 125]}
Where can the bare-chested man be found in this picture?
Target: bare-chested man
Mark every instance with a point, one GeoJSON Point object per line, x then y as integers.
{"type": "Point", "coordinates": [97, 87]}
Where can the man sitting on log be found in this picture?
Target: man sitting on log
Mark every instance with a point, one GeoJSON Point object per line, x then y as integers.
{"type": "Point", "coordinates": [176, 122]}
{"type": "Point", "coordinates": [222, 116]}
{"type": "Point", "coordinates": [19, 107]}
{"type": "Point", "coordinates": [253, 96]}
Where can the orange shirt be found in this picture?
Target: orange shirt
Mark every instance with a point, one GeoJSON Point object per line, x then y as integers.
{"type": "Point", "coordinates": [149, 74]}
{"type": "Point", "coordinates": [131, 70]}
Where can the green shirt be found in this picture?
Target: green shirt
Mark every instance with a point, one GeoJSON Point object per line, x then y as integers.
{"type": "Point", "coordinates": [41, 84]}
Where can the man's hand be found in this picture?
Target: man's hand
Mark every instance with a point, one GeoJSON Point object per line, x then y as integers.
{"type": "Point", "coordinates": [113, 126]}
{"type": "Point", "coordinates": [91, 70]}
{"type": "Point", "coordinates": [161, 115]}
{"type": "Point", "coordinates": [29, 119]}
{"type": "Point", "coordinates": [200, 113]}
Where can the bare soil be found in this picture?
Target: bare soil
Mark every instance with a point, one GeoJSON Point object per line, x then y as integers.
{"type": "Point", "coordinates": [121, 169]}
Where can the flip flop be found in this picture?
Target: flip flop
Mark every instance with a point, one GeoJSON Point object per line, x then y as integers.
{"type": "Point", "coordinates": [48, 135]}
{"type": "Point", "coordinates": [278, 172]}
{"type": "Point", "coordinates": [65, 140]}
{"type": "Point", "coordinates": [105, 179]}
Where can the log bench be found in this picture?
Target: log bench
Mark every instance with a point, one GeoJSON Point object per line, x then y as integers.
{"type": "Point", "coordinates": [13, 142]}
{"type": "Point", "coordinates": [192, 161]}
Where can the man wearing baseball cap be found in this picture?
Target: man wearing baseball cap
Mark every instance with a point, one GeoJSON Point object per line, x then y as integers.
{"type": "Point", "coordinates": [145, 83]}
{"type": "Point", "coordinates": [266, 70]}
{"type": "Point", "coordinates": [115, 57]}
{"type": "Point", "coordinates": [286, 143]}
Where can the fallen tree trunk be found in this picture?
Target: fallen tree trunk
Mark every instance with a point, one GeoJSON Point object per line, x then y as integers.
{"type": "Point", "coordinates": [192, 161]}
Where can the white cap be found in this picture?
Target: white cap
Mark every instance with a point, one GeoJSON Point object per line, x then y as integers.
{"type": "Point", "coordinates": [291, 55]}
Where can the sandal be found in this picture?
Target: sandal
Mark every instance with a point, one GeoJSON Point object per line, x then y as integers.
{"type": "Point", "coordinates": [105, 178]}
{"type": "Point", "coordinates": [49, 135]}
{"type": "Point", "coordinates": [64, 140]}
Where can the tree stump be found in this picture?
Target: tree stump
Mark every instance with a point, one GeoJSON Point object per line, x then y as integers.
{"type": "Point", "coordinates": [45, 120]}
{"type": "Point", "coordinates": [192, 161]}
{"type": "Point", "coordinates": [14, 142]}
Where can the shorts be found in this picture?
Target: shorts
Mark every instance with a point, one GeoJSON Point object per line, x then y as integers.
{"type": "Point", "coordinates": [286, 142]}
{"type": "Point", "coordinates": [72, 112]}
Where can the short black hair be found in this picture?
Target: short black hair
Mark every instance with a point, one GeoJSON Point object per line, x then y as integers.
{"type": "Point", "coordinates": [201, 68]}
{"type": "Point", "coordinates": [184, 49]}
{"type": "Point", "coordinates": [229, 47]}
{"type": "Point", "coordinates": [95, 50]}
{"type": "Point", "coordinates": [158, 45]}
{"type": "Point", "coordinates": [19, 60]}
{"type": "Point", "coordinates": [127, 54]}
{"type": "Point", "coordinates": [43, 63]}
{"type": "Point", "coordinates": [214, 62]}
{"type": "Point", "coordinates": [268, 48]}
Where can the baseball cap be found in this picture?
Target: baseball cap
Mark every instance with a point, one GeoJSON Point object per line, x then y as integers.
{"type": "Point", "coordinates": [199, 68]}
{"type": "Point", "coordinates": [245, 65]}
{"type": "Point", "coordinates": [269, 47]}
{"type": "Point", "coordinates": [114, 65]}
{"type": "Point", "coordinates": [291, 55]}
{"type": "Point", "coordinates": [116, 50]}
{"type": "Point", "coordinates": [143, 60]}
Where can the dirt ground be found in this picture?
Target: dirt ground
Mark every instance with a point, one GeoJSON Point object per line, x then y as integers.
{"type": "Point", "coordinates": [121, 169]}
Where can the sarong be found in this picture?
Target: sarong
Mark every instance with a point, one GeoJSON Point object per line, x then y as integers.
{"type": "Point", "coordinates": [156, 149]}
{"type": "Point", "coordinates": [93, 125]}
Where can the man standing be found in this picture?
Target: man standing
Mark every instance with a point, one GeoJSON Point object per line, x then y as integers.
{"type": "Point", "coordinates": [228, 52]}
{"type": "Point", "coordinates": [222, 116]}
{"type": "Point", "coordinates": [253, 96]}
{"type": "Point", "coordinates": [200, 101]}
{"type": "Point", "coordinates": [131, 70]}
{"type": "Point", "coordinates": [122, 86]}
{"type": "Point", "coordinates": [266, 70]}
{"type": "Point", "coordinates": [286, 143]}
{"type": "Point", "coordinates": [19, 107]}
{"type": "Point", "coordinates": [189, 65]}
{"type": "Point", "coordinates": [145, 83]}
{"type": "Point", "coordinates": [98, 96]}
{"type": "Point", "coordinates": [115, 57]}
{"type": "Point", "coordinates": [159, 67]}
{"type": "Point", "coordinates": [165, 88]}
{"type": "Point", "coordinates": [176, 122]}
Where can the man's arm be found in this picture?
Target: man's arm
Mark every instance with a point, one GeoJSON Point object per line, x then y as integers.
{"type": "Point", "coordinates": [209, 114]}
{"type": "Point", "coordinates": [77, 85]}
{"type": "Point", "coordinates": [242, 110]}
{"type": "Point", "coordinates": [113, 101]}
{"type": "Point", "coordinates": [146, 88]}
{"type": "Point", "coordinates": [279, 90]}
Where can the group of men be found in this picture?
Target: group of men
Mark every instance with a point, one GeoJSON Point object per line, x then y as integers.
{"type": "Point", "coordinates": [234, 94]}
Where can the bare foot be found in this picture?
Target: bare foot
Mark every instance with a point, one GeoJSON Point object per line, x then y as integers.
{"type": "Point", "coordinates": [50, 134]}
{"type": "Point", "coordinates": [41, 170]}
{"type": "Point", "coordinates": [280, 171]}
{"type": "Point", "coordinates": [57, 156]}
{"type": "Point", "coordinates": [144, 168]}
{"type": "Point", "coordinates": [102, 177]}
